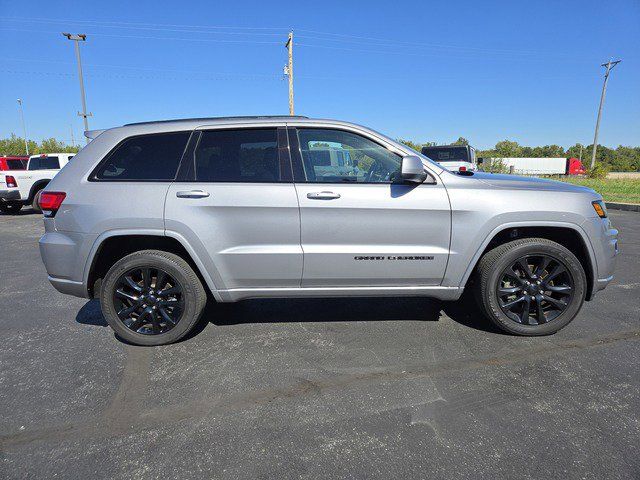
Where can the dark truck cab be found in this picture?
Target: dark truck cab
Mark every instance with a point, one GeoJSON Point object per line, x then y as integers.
{"type": "Point", "coordinates": [453, 157]}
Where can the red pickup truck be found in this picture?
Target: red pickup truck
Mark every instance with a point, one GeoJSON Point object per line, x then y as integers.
{"type": "Point", "coordinates": [13, 163]}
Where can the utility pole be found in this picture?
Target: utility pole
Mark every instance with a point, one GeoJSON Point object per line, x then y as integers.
{"type": "Point", "coordinates": [609, 66]}
{"type": "Point", "coordinates": [81, 37]}
{"type": "Point", "coordinates": [24, 128]}
{"type": "Point", "coordinates": [288, 70]}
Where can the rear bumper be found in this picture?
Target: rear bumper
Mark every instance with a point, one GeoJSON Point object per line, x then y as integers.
{"type": "Point", "coordinates": [64, 256]}
{"type": "Point", "coordinates": [9, 195]}
{"type": "Point", "coordinates": [69, 287]}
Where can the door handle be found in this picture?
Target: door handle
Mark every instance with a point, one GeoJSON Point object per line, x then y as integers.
{"type": "Point", "coordinates": [192, 194]}
{"type": "Point", "coordinates": [323, 195]}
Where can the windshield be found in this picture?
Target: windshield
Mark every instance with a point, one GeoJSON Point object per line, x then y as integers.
{"type": "Point", "coordinates": [448, 154]}
{"type": "Point", "coordinates": [44, 163]}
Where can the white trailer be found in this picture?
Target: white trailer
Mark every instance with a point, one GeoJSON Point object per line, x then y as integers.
{"type": "Point", "coordinates": [535, 166]}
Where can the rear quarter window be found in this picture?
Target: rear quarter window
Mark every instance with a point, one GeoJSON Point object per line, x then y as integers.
{"type": "Point", "coordinates": [144, 158]}
{"type": "Point", "coordinates": [15, 164]}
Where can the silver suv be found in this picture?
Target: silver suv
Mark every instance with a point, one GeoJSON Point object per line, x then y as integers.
{"type": "Point", "coordinates": [152, 218]}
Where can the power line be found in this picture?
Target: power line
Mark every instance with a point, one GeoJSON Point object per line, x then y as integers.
{"type": "Point", "coordinates": [136, 24]}
{"type": "Point", "coordinates": [326, 36]}
{"type": "Point", "coordinates": [190, 39]}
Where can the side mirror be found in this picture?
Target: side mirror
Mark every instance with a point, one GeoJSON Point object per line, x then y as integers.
{"type": "Point", "coordinates": [412, 170]}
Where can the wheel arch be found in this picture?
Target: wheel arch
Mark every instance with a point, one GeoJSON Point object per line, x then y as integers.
{"type": "Point", "coordinates": [114, 245]}
{"type": "Point", "coordinates": [36, 187]}
{"type": "Point", "coordinates": [570, 235]}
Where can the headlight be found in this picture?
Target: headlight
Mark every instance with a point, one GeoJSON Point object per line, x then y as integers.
{"type": "Point", "coordinates": [600, 208]}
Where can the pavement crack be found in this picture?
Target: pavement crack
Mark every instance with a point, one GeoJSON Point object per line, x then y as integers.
{"type": "Point", "coordinates": [124, 413]}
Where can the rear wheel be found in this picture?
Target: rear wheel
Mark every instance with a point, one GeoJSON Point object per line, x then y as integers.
{"type": "Point", "coordinates": [531, 286]}
{"type": "Point", "coordinates": [35, 203]}
{"type": "Point", "coordinates": [152, 298]}
{"type": "Point", "coordinates": [10, 207]}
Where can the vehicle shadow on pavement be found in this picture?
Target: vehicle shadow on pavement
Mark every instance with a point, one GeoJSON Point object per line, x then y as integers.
{"type": "Point", "coordinates": [90, 314]}
{"type": "Point", "coordinates": [348, 309]}
{"type": "Point", "coordinates": [345, 309]}
{"type": "Point", "coordinates": [21, 213]}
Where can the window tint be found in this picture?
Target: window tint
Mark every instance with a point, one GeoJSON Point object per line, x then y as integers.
{"type": "Point", "coordinates": [146, 157]}
{"type": "Point", "coordinates": [44, 163]}
{"type": "Point", "coordinates": [448, 154]}
{"type": "Point", "coordinates": [331, 156]}
{"type": "Point", "coordinates": [248, 155]}
{"type": "Point", "coordinates": [15, 164]}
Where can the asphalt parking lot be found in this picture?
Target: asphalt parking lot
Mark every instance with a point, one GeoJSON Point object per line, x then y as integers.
{"type": "Point", "coordinates": [323, 388]}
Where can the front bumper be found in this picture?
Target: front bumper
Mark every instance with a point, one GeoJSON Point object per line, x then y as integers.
{"type": "Point", "coordinates": [604, 241]}
{"type": "Point", "coordinates": [9, 195]}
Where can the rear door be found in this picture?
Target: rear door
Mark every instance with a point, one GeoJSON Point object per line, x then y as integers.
{"type": "Point", "coordinates": [237, 206]}
{"type": "Point", "coordinates": [358, 226]}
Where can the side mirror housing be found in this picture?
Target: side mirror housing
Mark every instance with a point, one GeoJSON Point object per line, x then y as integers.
{"type": "Point", "coordinates": [412, 170]}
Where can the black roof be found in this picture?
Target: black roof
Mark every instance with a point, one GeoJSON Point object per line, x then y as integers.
{"type": "Point", "coordinates": [246, 117]}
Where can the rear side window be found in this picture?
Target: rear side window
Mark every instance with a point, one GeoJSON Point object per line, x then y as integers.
{"type": "Point", "coordinates": [145, 157]}
{"type": "Point", "coordinates": [44, 163]}
{"type": "Point", "coordinates": [247, 155]}
{"type": "Point", "coordinates": [15, 164]}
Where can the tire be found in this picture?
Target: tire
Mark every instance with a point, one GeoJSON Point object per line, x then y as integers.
{"type": "Point", "coordinates": [10, 207]}
{"type": "Point", "coordinates": [553, 299]}
{"type": "Point", "coordinates": [187, 311]}
{"type": "Point", "coordinates": [35, 203]}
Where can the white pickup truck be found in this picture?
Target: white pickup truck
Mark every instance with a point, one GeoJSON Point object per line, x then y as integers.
{"type": "Point", "coordinates": [23, 187]}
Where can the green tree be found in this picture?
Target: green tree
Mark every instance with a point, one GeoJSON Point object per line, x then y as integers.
{"type": "Point", "coordinates": [507, 149]}
{"type": "Point", "coordinates": [14, 145]}
{"type": "Point", "coordinates": [461, 141]}
{"type": "Point", "coordinates": [548, 151]}
{"type": "Point", "coordinates": [53, 145]}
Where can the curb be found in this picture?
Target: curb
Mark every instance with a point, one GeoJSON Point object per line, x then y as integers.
{"type": "Point", "coordinates": [629, 207]}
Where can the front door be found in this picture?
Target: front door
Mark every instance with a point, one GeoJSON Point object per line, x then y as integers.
{"type": "Point", "coordinates": [359, 226]}
{"type": "Point", "coordinates": [237, 206]}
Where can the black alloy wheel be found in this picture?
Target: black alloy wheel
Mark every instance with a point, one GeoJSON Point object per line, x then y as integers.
{"type": "Point", "coordinates": [535, 289]}
{"type": "Point", "coordinates": [530, 286]}
{"type": "Point", "coordinates": [148, 300]}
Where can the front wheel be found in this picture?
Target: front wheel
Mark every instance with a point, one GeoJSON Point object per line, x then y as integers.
{"type": "Point", "coordinates": [152, 297]}
{"type": "Point", "coordinates": [9, 207]}
{"type": "Point", "coordinates": [531, 286]}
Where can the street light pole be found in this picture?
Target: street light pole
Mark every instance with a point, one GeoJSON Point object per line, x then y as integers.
{"type": "Point", "coordinates": [81, 37]}
{"type": "Point", "coordinates": [289, 70]}
{"type": "Point", "coordinates": [609, 66]}
{"type": "Point", "coordinates": [24, 128]}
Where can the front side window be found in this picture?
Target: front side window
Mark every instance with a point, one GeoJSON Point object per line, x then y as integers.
{"type": "Point", "coordinates": [145, 157]}
{"type": "Point", "coordinates": [336, 156]}
{"type": "Point", "coordinates": [44, 163]}
{"type": "Point", "coordinates": [243, 155]}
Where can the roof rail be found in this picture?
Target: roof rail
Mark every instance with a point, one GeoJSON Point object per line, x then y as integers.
{"type": "Point", "coordinates": [241, 117]}
{"type": "Point", "coordinates": [91, 134]}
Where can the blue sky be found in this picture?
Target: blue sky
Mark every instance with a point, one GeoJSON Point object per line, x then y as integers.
{"type": "Point", "coordinates": [427, 71]}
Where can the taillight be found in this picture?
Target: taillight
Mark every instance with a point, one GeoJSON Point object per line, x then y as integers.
{"type": "Point", "coordinates": [462, 169]}
{"type": "Point", "coordinates": [50, 202]}
{"type": "Point", "coordinates": [11, 181]}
